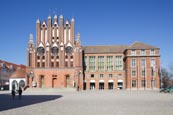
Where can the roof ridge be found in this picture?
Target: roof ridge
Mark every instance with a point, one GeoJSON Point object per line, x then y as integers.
{"type": "Point", "coordinates": [140, 45]}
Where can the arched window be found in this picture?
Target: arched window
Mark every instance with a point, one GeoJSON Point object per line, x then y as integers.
{"type": "Point", "coordinates": [69, 49]}
{"type": "Point", "coordinates": [40, 50]}
{"type": "Point", "coordinates": [15, 85]}
{"type": "Point", "coordinates": [54, 50]}
{"type": "Point", "coordinates": [21, 83]}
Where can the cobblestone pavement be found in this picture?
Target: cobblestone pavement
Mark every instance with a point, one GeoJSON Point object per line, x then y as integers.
{"type": "Point", "coordinates": [71, 102]}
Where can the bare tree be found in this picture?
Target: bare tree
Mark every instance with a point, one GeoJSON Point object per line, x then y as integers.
{"type": "Point", "coordinates": [165, 78]}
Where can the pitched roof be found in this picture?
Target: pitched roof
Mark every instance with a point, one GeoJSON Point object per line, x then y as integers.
{"type": "Point", "coordinates": [140, 45]}
{"type": "Point", "coordinates": [116, 48]}
{"type": "Point", "coordinates": [8, 64]}
{"type": "Point", "coordinates": [20, 73]}
{"type": "Point", "coordinates": [104, 49]}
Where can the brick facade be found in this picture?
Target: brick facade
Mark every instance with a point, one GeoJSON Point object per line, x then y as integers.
{"type": "Point", "coordinates": [59, 60]}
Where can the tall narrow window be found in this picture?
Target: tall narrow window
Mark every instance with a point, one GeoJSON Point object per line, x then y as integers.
{"type": "Point", "coordinates": [152, 52]}
{"type": "Point", "coordinates": [85, 63]}
{"type": "Point", "coordinates": [143, 83]}
{"type": "Point", "coordinates": [133, 52]}
{"type": "Point", "coordinates": [66, 64]}
{"type": "Point", "coordinates": [38, 64]}
{"type": "Point", "coordinates": [152, 72]}
{"type": "Point", "coordinates": [110, 75]}
{"type": "Point", "coordinates": [101, 63]}
{"type": "Point", "coordinates": [92, 63]}
{"type": "Point", "coordinates": [101, 75]}
{"type": "Point", "coordinates": [119, 75]}
{"type": "Point", "coordinates": [133, 73]}
{"type": "Point", "coordinates": [143, 62]}
{"type": "Point", "coordinates": [152, 83]}
{"type": "Point", "coordinates": [52, 64]}
{"type": "Point", "coordinates": [57, 64]}
{"type": "Point", "coordinates": [143, 73]}
{"type": "Point", "coordinates": [142, 52]}
{"type": "Point", "coordinates": [71, 64]}
{"type": "Point", "coordinates": [133, 62]}
{"type": "Point", "coordinates": [152, 62]}
{"type": "Point", "coordinates": [110, 63]}
{"type": "Point", "coordinates": [133, 83]}
{"type": "Point", "coordinates": [30, 59]}
{"type": "Point", "coordinates": [43, 64]}
{"type": "Point", "coordinates": [118, 63]}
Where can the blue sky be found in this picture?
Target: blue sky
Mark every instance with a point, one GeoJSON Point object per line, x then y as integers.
{"type": "Point", "coordinates": [100, 22]}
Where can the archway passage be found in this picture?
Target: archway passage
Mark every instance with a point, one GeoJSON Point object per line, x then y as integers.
{"type": "Point", "coordinates": [14, 85]}
{"type": "Point", "coordinates": [92, 86]}
{"type": "Point", "coordinates": [101, 86]}
{"type": "Point", "coordinates": [22, 84]}
{"type": "Point", "coordinates": [120, 84]}
{"type": "Point", "coordinates": [110, 85]}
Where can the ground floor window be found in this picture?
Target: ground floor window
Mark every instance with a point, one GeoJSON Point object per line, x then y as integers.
{"type": "Point", "coordinates": [92, 86]}
{"type": "Point", "coordinates": [152, 83]}
{"type": "Point", "coordinates": [133, 83]}
{"type": "Point", "coordinates": [110, 85]}
{"type": "Point", "coordinates": [101, 86]}
{"type": "Point", "coordinates": [143, 83]}
{"type": "Point", "coordinates": [120, 85]}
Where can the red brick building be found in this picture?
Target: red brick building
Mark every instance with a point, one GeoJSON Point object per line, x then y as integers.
{"type": "Point", "coordinates": [6, 70]}
{"type": "Point", "coordinates": [58, 60]}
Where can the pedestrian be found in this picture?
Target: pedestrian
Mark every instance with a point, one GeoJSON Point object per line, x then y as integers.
{"type": "Point", "coordinates": [13, 93]}
{"type": "Point", "coordinates": [20, 93]}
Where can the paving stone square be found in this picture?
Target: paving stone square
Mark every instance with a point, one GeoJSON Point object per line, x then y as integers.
{"type": "Point", "coordinates": [71, 102]}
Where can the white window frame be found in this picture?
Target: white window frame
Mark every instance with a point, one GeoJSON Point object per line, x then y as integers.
{"type": "Point", "coordinates": [152, 52]}
{"type": "Point", "coordinates": [142, 52]}
{"type": "Point", "coordinates": [133, 52]}
{"type": "Point", "coordinates": [133, 63]}
{"type": "Point", "coordinates": [132, 73]}
{"type": "Point", "coordinates": [142, 62]}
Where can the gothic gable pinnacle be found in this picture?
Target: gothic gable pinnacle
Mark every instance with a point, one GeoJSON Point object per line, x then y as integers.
{"type": "Point", "coordinates": [41, 45]}
{"type": "Point", "coordinates": [31, 41]}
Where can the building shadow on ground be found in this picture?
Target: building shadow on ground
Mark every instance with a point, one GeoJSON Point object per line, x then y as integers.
{"type": "Point", "coordinates": [7, 102]}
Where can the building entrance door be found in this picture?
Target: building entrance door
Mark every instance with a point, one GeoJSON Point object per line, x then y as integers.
{"type": "Point", "coordinates": [54, 80]}
{"type": "Point", "coordinates": [67, 81]}
{"type": "Point", "coordinates": [110, 85]}
{"type": "Point", "coordinates": [41, 81]}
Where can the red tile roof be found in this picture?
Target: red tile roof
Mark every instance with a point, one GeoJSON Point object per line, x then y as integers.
{"type": "Point", "coordinates": [140, 45]}
{"type": "Point", "coordinates": [8, 64]}
{"type": "Point", "coordinates": [116, 48]}
{"type": "Point", "coordinates": [20, 73]}
{"type": "Point", "coordinates": [104, 49]}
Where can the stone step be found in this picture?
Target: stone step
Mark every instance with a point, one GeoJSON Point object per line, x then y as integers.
{"type": "Point", "coordinates": [49, 89]}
